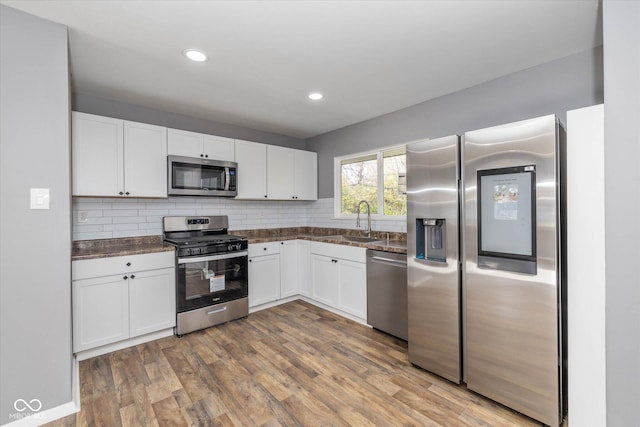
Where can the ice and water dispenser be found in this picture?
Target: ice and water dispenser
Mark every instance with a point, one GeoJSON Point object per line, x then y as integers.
{"type": "Point", "coordinates": [431, 239]}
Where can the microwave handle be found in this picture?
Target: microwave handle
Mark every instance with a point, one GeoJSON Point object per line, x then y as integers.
{"type": "Point", "coordinates": [227, 178]}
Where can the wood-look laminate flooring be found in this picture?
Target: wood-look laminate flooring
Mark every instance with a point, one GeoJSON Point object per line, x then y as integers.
{"type": "Point", "coordinates": [290, 365]}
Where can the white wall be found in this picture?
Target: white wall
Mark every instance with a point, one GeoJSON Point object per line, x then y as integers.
{"type": "Point", "coordinates": [35, 245]}
{"type": "Point", "coordinates": [586, 267]}
{"type": "Point", "coordinates": [111, 217]}
{"type": "Point", "coordinates": [621, 30]}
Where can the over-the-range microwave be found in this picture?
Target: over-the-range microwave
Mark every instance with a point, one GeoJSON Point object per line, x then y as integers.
{"type": "Point", "coordinates": [189, 176]}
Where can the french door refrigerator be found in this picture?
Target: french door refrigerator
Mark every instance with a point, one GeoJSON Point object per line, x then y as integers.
{"type": "Point", "coordinates": [485, 261]}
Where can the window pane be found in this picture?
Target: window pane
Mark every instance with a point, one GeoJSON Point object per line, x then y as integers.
{"type": "Point", "coordinates": [359, 182]}
{"type": "Point", "coordinates": [394, 193]}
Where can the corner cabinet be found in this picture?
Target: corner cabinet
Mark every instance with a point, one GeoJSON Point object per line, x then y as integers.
{"type": "Point", "coordinates": [192, 144]}
{"type": "Point", "coordinates": [339, 277]}
{"type": "Point", "coordinates": [117, 158]}
{"type": "Point", "coordinates": [118, 298]}
{"type": "Point", "coordinates": [291, 174]}
{"type": "Point", "coordinates": [276, 173]}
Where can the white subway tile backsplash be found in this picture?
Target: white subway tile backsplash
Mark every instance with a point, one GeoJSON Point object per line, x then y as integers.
{"type": "Point", "coordinates": [110, 218]}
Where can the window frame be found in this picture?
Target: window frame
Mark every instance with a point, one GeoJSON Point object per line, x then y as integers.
{"type": "Point", "coordinates": [337, 183]}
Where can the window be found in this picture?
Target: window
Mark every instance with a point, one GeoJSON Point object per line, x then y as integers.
{"type": "Point", "coordinates": [377, 177]}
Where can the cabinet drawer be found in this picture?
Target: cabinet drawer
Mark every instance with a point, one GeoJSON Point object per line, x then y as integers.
{"type": "Point", "coordinates": [350, 253]}
{"type": "Point", "coordinates": [83, 269]}
{"type": "Point", "coordinates": [261, 249]}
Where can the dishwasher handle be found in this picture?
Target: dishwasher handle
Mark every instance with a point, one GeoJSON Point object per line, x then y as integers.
{"type": "Point", "coordinates": [397, 262]}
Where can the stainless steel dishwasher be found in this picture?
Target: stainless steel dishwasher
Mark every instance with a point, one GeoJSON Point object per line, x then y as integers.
{"type": "Point", "coordinates": [387, 292]}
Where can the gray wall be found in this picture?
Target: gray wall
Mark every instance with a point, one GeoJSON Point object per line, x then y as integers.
{"type": "Point", "coordinates": [35, 245]}
{"type": "Point", "coordinates": [555, 87]}
{"type": "Point", "coordinates": [621, 24]}
{"type": "Point", "coordinates": [121, 110]}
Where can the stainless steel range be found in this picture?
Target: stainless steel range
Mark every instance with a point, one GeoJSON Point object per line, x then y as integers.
{"type": "Point", "coordinates": [211, 271]}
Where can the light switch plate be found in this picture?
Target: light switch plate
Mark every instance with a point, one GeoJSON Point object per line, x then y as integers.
{"type": "Point", "coordinates": [39, 198]}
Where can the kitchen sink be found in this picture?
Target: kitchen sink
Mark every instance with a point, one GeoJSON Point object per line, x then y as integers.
{"type": "Point", "coordinates": [356, 239]}
{"type": "Point", "coordinates": [362, 239]}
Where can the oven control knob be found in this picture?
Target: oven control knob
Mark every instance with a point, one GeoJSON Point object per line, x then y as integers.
{"type": "Point", "coordinates": [187, 251]}
{"type": "Point", "coordinates": [196, 251]}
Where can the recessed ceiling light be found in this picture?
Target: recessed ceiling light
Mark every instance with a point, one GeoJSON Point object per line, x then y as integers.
{"type": "Point", "coordinates": [195, 55]}
{"type": "Point", "coordinates": [316, 96]}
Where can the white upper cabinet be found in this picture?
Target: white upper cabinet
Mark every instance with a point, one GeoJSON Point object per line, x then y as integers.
{"type": "Point", "coordinates": [280, 171]}
{"type": "Point", "coordinates": [252, 170]}
{"type": "Point", "coordinates": [145, 160]}
{"type": "Point", "coordinates": [305, 175]}
{"type": "Point", "coordinates": [192, 144]}
{"type": "Point", "coordinates": [291, 174]}
{"type": "Point", "coordinates": [115, 158]}
{"type": "Point", "coordinates": [97, 147]}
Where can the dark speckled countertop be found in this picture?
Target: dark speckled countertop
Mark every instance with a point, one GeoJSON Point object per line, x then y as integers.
{"type": "Point", "coordinates": [389, 241]}
{"type": "Point", "coordinates": [104, 248]}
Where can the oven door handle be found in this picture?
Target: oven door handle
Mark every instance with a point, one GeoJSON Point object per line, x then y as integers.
{"type": "Point", "coordinates": [238, 254]}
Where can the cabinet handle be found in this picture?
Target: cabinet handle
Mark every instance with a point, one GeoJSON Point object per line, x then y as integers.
{"type": "Point", "coordinates": [128, 264]}
{"type": "Point", "coordinates": [201, 155]}
{"type": "Point", "coordinates": [127, 193]}
{"type": "Point", "coordinates": [250, 260]}
{"type": "Point", "coordinates": [265, 196]}
{"type": "Point", "coordinates": [121, 193]}
{"type": "Point", "coordinates": [282, 243]}
{"type": "Point", "coordinates": [125, 278]}
{"type": "Point", "coordinates": [133, 276]}
{"type": "Point", "coordinates": [264, 249]}
{"type": "Point", "coordinates": [206, 155]}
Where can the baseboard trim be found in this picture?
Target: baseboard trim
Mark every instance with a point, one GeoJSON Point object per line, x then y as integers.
{"type": "Point", "coordinates": [98, 351]}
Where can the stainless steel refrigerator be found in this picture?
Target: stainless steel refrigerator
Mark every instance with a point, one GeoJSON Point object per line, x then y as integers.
{"type": "Point", "coordinates": [485, 263]}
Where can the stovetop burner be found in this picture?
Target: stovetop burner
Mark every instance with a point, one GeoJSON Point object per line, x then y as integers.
{"type": "Point", "coordinates": [197, 236]}
{"type": "Point", "coordinates": [202, 240]}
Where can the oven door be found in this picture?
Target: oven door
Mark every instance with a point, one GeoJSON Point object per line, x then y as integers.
{"type": "Point", "coordinates": [211, 279]}
{"type": "Point", "coordinates": [200, 177]}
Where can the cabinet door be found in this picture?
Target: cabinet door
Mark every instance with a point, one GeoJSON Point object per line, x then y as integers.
{"type": "Point", "coordinates": [324, 278]}
{"type": "Point", "coordinates": [152, 301]}
{"type": "Point", "coordinates": [304, 268]}
{"type": "Point", "coordinates": [289, 266]}
{"type": "Point", "coordinates": [352, 296]}
{"type": "Point", "coordinates": [306, 175]}
{"type": "Point", "coordinates": [145, 160]}
{"type": "Point", "coordinates": [252, 170]}
{"type": "Point", "coordinates": [97, 150]}
{"type": "Point", "coordinates": [219, 148]}
{"type": "Point", "coordinates": [264, 279]}
{"type": "Point", "coordinates": [280, 173]}
{"type": "Point", "coordinates": [184, 143]}
{"type": "Point", "coordinates": [100, 311]}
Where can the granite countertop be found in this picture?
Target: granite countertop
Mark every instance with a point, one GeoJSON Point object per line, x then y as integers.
{"type": "Point", "coordinates": [104, 248]}
{"type": "Point", "coordinates": [389, 241]}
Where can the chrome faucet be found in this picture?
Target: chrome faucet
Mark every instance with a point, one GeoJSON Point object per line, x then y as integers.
{"type": "Point", "coordinates": [368, 229]}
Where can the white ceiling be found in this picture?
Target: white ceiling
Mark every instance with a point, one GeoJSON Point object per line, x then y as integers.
{"type": "Point", "coordinates": [367, 57]}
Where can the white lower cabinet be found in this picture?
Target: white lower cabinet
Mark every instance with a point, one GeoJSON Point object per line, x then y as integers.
{"type": "Point", "coordinates": [289, 268]}
{"type": "Point", "coordinates": [339, 277]}
{"type": "Point", "coordinates": [100, 311]}
{"type": "Point", "coordinates": [304, 268]}
{"type": "Point", "coordinates": [118, 298]}
{"type": "Point", "coordinates": [334, 275]}
{"type": "Point", "coordinates": [324, 274]}
{"type": "Point", "coordinates": [352, 288]}
{"type": "Point", "coordinates": [264, 273]}
{"type": "Point", "coordinates": [152, 303]}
